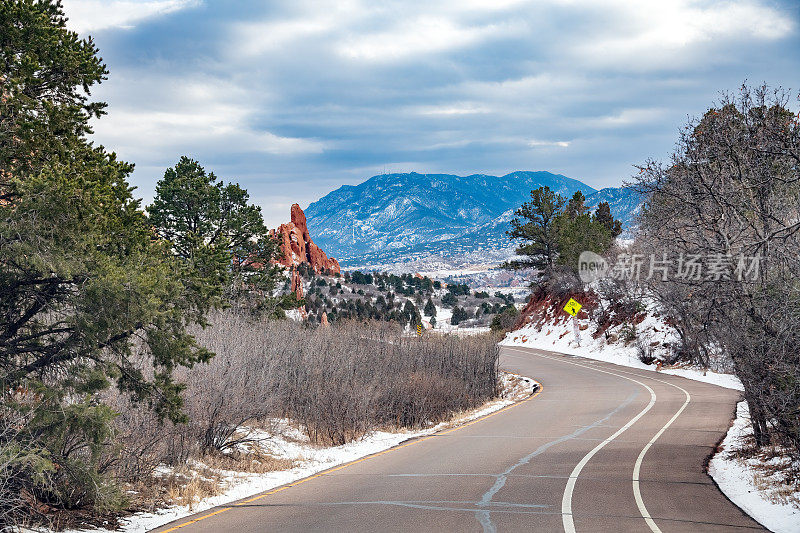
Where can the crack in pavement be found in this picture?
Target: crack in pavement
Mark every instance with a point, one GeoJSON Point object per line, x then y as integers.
{"type": "Point", "coordinates": [483, 516]}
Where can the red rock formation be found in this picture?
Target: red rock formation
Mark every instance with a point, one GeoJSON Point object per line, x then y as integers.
{"type": "Point", "coordinates": [323, 321]}
{"type": "Point", "coordinates": [297, 285]}
{"type": "Point", "coordinates": [297, 246]}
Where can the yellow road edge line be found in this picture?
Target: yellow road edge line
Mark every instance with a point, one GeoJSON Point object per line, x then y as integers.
{"type": "Point", "coordinates": [218, 511]}
{"type": "Point", "coordinates": [536, 393]}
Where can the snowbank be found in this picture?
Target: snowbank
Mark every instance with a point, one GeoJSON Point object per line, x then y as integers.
{"type": "Point", "coordinates": [559, 336]}
{"type": "Point", "coordinates": [310, 459]}
{"type": "Point", "coordinates": [747, 486]}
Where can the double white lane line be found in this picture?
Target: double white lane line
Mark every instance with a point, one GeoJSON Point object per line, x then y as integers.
{"type": "Point", "coordinates": [566, 500]}
{"type": "Point", "coordinates": [637, 493]}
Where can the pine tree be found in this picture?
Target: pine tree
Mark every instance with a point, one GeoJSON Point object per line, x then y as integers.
{"type": "Point", "coordinates": [214, 229]}
{"type": "Point", "coordinates": [430, 308]}
{"type": "Point", "coordinates": [449, 299]}
{"type": "Point", "coordinates": [409, 309]}
{"type": "Point", "coordinates": [46, 79]}
{"type": "Point", "coordinates": [602, 215]}
{"type": "Point", "coordinates": [555, 232]}
{"type": "Point", "coordinates": [82, 277]}
{"type": "Point", "coordinates": [578, 231]}
{"type": "Point", "coordinates": [534, 226]}
{"type": "Point", "coordinates": [459, 315]}
{"type": "Point", "coordinates": [576, 206]}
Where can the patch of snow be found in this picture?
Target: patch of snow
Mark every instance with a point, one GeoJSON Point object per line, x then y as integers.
{"type": "Point", "coordinates": [294, 314]}
{"type": "Point", "coordinates": [560, 337]}
{"type": "Point", "coordinates": [737, 479]}
{"type": "Point", "coordinates": [443, 315]}
{"type": "Point", "coordinates": [469, 269]}
{"type": "Point", "coordinates": [465, 331]}
{"type": "Point", "coordinates": [291, 443]}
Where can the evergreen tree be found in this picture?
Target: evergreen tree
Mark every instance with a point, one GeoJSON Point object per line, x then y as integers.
{"type": "Point", "coordinates": [602, 216]}
{"type": "Point", "coordinates": [430, 308]}
{"type": "Point", "coordinates": [459, 315]}
{"type": "Point", "coordinates": [81, 276]}
{"type": "Point", "coordinates": [505, 320]}
{"type": "Point", "coordinates": [576, 206]}
{"type": "Point", "coordinates": [578, 231]}
{"type": "Point", "coordinates": [534, 226]}
{"type": "Point", "coordinates": [217, 232]}
{"type": "Point", "coordinates": [554, 232]}
{"type": "Point", "coordinates": [409, 309]}
{"type": "Point", "coordinates": [449, 299]}
{"type": "Point", "coordinates": [46, 80]}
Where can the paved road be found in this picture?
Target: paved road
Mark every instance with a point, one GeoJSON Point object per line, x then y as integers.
{"type": "Point", "coordinates": [600, 448]}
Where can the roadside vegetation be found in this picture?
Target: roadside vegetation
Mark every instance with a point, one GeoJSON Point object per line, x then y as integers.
{"type": "Point", "coordinates": [138, 342]}
{"type": "Point", "coordinates": [732, 191]}
{"type": "Point", "coordinates": [338, 383]}
{"type": "Point", "coordinates": [334, 385]}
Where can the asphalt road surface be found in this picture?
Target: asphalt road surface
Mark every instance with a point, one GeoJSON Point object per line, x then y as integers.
{"type": "Point", "coordinates": [599, 448]}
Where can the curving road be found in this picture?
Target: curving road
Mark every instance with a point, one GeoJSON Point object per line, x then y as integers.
{"type": "Point", "coordinates": [599, 448]}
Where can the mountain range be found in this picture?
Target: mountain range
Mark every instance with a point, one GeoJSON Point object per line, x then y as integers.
{"type": "Point", "coordinates": [398, 216]}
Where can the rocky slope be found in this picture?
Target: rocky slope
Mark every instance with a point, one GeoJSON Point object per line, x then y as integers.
{"type": "Point", "coordinates": [394, 217]}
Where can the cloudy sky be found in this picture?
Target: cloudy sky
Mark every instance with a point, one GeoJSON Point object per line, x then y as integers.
{"type": "Point", "coordinates": [294, 98]}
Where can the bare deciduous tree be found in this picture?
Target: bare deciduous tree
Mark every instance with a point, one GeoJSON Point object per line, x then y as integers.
{"type": "Point", "coordinates": [732, 193]}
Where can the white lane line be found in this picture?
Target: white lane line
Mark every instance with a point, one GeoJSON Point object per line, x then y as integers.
{"type": "Point", "coordinates": [566, 501]}
{"type": "Point", "coordinates": [637, 493]}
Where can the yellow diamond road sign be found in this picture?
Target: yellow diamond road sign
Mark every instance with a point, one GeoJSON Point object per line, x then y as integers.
{"type": "Point", "coordinates": [572, 307]}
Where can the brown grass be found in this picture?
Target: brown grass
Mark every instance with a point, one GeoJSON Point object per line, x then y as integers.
{"type": "Point", "coordinates": [254, 461]}
{"type": "Point", "coordinates": [775, 477]}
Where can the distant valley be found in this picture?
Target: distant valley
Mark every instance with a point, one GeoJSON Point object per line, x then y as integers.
{"type": "Point", "coordinates": [432, 221]}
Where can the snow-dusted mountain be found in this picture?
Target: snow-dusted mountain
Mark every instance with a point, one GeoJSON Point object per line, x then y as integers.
{"type": "Point", "coordinates": [394, 217]}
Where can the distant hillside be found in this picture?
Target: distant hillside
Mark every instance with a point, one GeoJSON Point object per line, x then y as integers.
{"type": "Point", "coordinates": [397, 216]}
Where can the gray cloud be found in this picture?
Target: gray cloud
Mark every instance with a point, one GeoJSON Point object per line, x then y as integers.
{"type": "Point", "coordinates": [295, 98]}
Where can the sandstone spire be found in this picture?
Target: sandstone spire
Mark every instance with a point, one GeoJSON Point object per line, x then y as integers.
{"type": "Point", "coordinates": [297, 246]}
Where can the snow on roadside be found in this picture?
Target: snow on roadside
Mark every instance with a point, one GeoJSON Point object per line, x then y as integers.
{"type": "Point", "coordinates": [310, 459]}
{"type": "Point", "coordinates": [744, 483]}
{"type": "Point", "coordinates": [560, 337]}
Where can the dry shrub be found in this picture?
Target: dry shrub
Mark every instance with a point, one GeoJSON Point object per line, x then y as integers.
{"type": "Point", "coordinates": [336, 384]}
{"type": "Point", "coordinates": [422, 399]}
{"type": "Point", "coordinates": [141, 440]}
